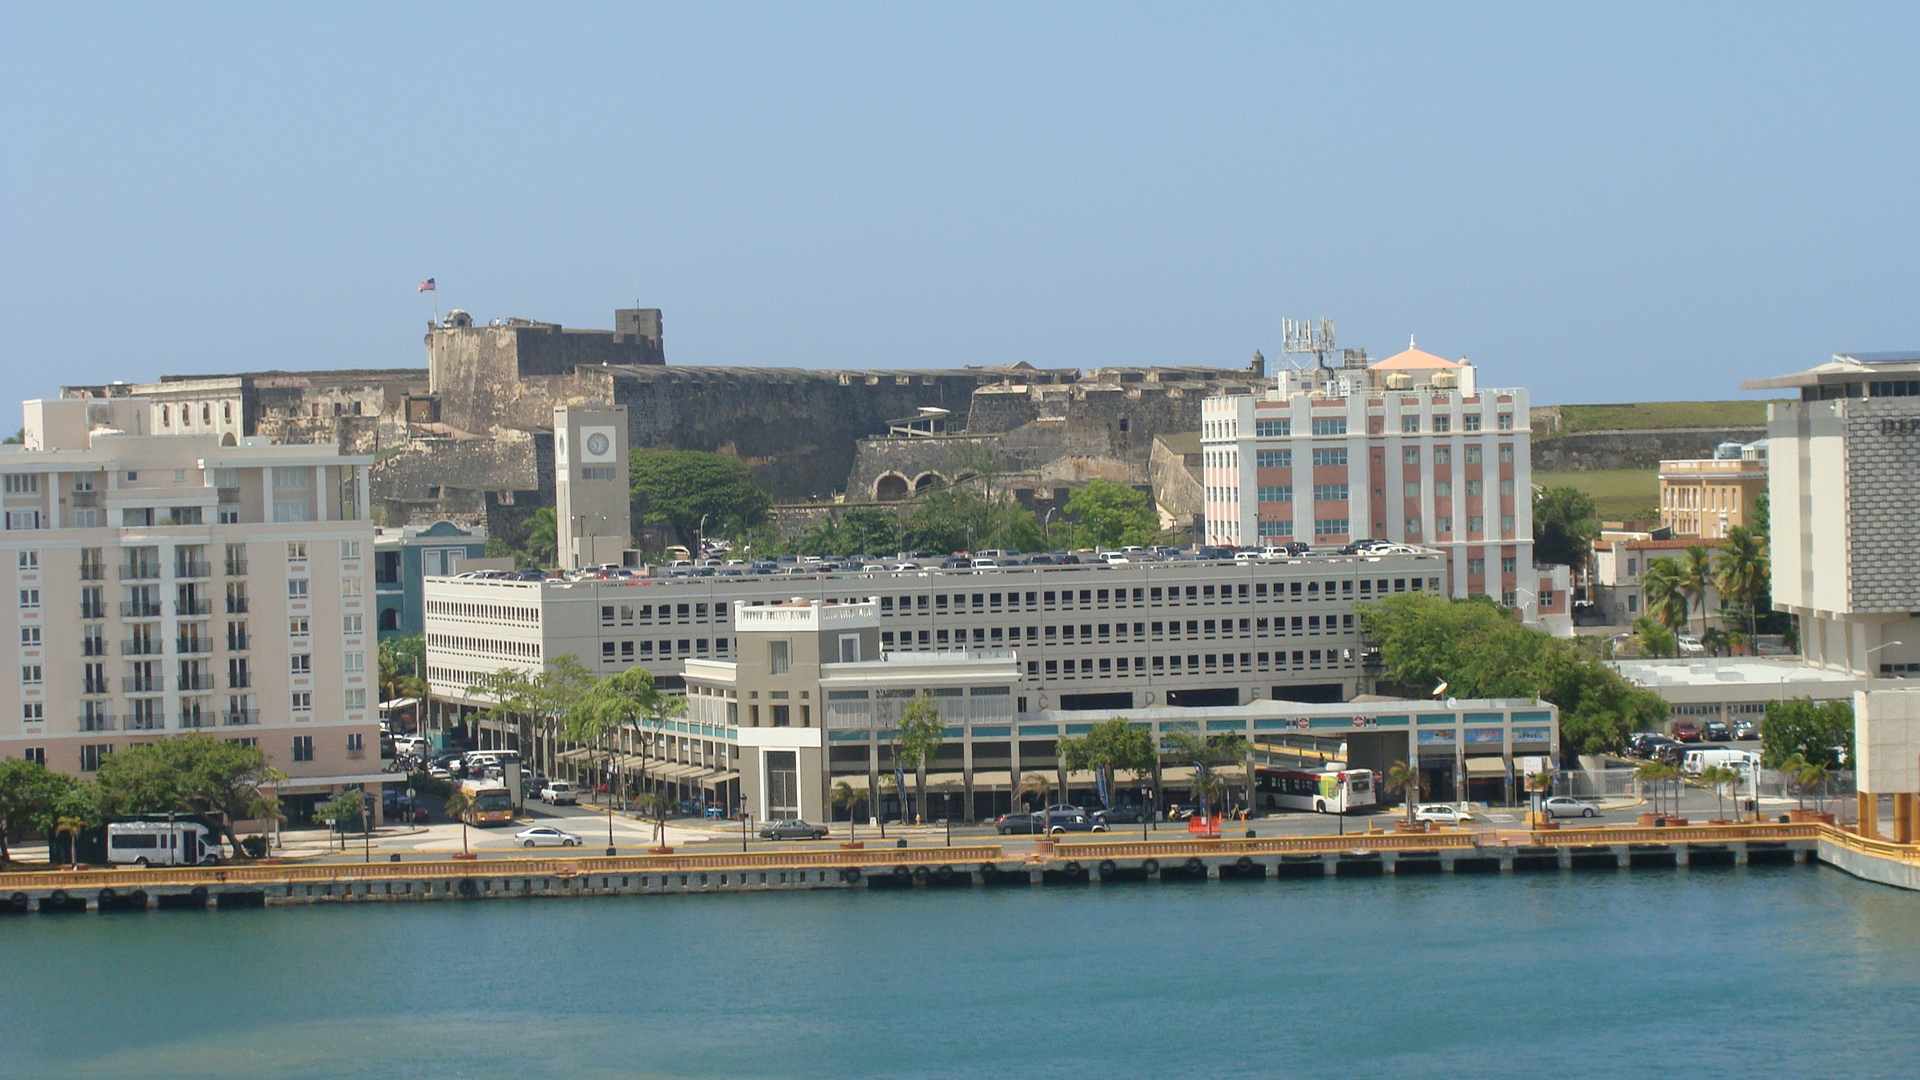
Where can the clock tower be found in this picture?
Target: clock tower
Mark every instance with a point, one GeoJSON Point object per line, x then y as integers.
{"type": "Point", "coordinates": [591, 507]}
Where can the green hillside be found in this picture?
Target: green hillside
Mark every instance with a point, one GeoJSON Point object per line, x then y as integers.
{"type": "Point", "coordinates": [1661, 414]}
{"type": "Point", "coordinates": [1619, 494]}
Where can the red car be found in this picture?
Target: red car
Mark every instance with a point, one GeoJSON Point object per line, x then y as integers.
{"type": "Point", "coordinates": [1686, 731]}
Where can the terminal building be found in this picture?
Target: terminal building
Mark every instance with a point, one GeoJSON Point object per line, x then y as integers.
{"type": "Point", "coordinates": [173, 582]}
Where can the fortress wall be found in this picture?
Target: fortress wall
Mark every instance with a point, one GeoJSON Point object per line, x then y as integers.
{"type": "Point", "coordinates": [1632, 449]}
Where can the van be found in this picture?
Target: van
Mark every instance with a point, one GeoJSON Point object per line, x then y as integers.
{"type": "Point", "coordinates": [1696, 760]}
{"type": "Point", "coordinates": [162, 843]}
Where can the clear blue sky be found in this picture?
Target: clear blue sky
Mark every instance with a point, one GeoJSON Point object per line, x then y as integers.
{"type": "Point", "coordinates": [1600, 202]}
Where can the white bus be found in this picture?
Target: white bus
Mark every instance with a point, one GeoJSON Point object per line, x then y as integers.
{"type": "Point", "coordinates": [162, 843]}
{"type": "Point", "coordinates": [1327, 791]}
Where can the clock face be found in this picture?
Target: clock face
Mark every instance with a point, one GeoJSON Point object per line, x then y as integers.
{"type": "Point", "coordinates": [598, 444]}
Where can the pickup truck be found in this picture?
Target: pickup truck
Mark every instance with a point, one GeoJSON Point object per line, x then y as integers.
{"type": "Point", "coordinates": [559, 793]}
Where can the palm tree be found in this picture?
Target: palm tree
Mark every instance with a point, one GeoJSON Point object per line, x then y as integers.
{"type": "Point", "coordinates": [1718, 777]}
{"type": "Point", "coordinates": [844, 794]}
{"type": "Point", "coordinates": [543, 537]}
{"type": "Point", "coordinates": [457, 806]}
{"type": "Point", "coordinates": [1654, 774]}
{"type": "Point", "coordinates": [1815, 773]}
{"type": "Point", "coordinates": [1790, 770]}
{"type": "Point", "coordinates": [1040, 784]}
{"type": "Point", "coordinates": [1666, 593]}
{"type": "Point", "coordinates": [654, 805]}
{"type": "Point", "coordinates": [1653, 638]}
{"type": "Point", "coordinates": [1743, 571]}
{"type": "Point", "coordinates": [1696, 577]}
{"type": "Point", "coordinates": [1408, 781]}
{"type": "Point", "coordinates": [1540, 783]}
{"type": "Point", "coordinates": [70, 827]}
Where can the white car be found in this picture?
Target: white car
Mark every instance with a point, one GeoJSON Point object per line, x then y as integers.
{"type": "Point", "coordinates": [1566, 806]}
{"type": "Point", "coordinates": [559, 793]}
{"type": "Point", "coordinates": [1440, 814]}
{"type": "Point", "coordinates": [546, 836]}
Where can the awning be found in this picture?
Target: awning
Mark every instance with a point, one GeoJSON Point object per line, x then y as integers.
{"type": "Point", "coordinates": [1486, 766]}
{"type": "Point", "coordinates": [300, 785]}
{"type": "Point", "coordinates": [578, 753]}
{"type": "Point", "coordinates": [723, 777]}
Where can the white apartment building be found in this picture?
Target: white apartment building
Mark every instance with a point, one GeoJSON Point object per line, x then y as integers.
{"type": "Point", "coordinates": [1407, 449]}
{"type": "Point", "coordinates": [1139, 635]}
{"type": "Point", "coordinates": [1844, 495]}
{"type": "Point", "coordinates": [160, 583]}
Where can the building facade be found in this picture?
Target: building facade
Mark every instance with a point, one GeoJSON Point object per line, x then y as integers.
{"type": "Point", "coordinates": [199, 582]}
{"type": "Point", "coordinates": [1408, 449]}
{"type": "Point", "coordinates": [404, 558]}
{"type": "Point", "coordinates": [1707, 497]}
{"type": "Point", "coordinates": [1844, 495]}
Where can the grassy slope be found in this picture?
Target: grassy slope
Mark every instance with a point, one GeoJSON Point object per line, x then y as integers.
{"type": "Point", "coordinates": [1619, 493]}
{"type": "Point", "coordinates": [1662, 414]}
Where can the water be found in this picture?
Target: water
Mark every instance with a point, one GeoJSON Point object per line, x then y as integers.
{"type": "Point", "coordinates": [1761, 972]}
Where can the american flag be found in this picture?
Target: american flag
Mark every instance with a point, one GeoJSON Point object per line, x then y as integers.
{"type": "Point", "coordinates": [427, 285]}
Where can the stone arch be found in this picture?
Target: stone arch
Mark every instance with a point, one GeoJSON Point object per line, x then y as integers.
{"type": "Point", "coordinates": [892, 487]}
{"type": "Point", "coordinates": [927, 481]}
{"type": "Point", "coordinates": [227, 439]}
{"type": "Point", "coordinates": [390, 618]}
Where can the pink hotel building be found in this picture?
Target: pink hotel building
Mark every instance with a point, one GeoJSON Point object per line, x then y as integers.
{"type": "Point", "coordinates": [1408, 449]}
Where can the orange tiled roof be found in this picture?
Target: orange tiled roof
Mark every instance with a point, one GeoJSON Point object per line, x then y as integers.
{"type": "Point", "coordinates": [1415, 360]}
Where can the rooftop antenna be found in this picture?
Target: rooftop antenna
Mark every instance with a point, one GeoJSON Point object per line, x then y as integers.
{"type": "Point", "coordinates": [1303, 336]}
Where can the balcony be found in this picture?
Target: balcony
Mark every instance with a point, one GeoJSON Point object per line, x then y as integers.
{"type": "Point", "coordinates": [140, 572]}
{"type": "Point", "coordinates": [92, 572]}
{"type": "Point", "coordinates": [143, 684]}
{"type": "Point", "coordinates": [142, 647]}
{"type": "Point", "coordinates": [239, 642]}
{"type": "Point", "coordinates": [93, 611]}
{"type": "Point", "coordinates": [239, 680]}
{"type": "Point", "coordinates": [191, 569]}
{"type": "Point", "coordinates": [193, 607]}
{"type": "Point", "coordinates": [357, 755]}
{"type": "Point", "coordinates": [145, 723]}
{"type": "Point", "coordinates": [240, 717]}
{"type": "Point", "coordinates": [228, 496]}
{"type": "Point", "coordinates": [192, 646]}
{"type": "Point", "coordinates": [139, 609]}
{"type": "Point", "coordinates": [236, 568]}
{"type": "Point", "coordinates": [97, 722]}
{"type": "Point", "coordinates": [194, 682]}
{"type": "Point", "coordinates": [95, 686]}
{"type": "Point", "coordinates": [93, 646]}
{"type": "Point", "coordinates": [189, 720]}
{"type": "Point", "coordinates": [236, 605]}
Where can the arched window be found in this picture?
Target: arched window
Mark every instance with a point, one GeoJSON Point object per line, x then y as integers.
{"type": "Point", "coordinates": [206, 414]}
{"type": "Point", "coordinates": [166, 416]}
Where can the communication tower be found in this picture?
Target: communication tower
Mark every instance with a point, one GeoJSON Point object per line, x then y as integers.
{"type": "Point", "coordinates": [1299, 336]}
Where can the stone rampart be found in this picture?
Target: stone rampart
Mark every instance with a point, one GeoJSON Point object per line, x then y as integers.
{"type": "Point", "coordinates": [1596, 450]}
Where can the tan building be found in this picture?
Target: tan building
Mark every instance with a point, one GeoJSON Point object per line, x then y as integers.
{"type": "Point", "coordinates": [1706, 497]}
{"type": "Point", "coordinates": [186, 582]}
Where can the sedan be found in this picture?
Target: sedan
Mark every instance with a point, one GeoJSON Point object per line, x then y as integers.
{"type": "Point", "coordinates": [1021, 822]}
{"type": "Point", "coordinates": [1122, 815]}
{"type": "Point", "coordinates": [793, 829]}
{"type": "Point", "coordinates": [1686, 731]}
{"type": "Point", "coordinates": [1065, 823]}
{"type": "Point", "coordinates": [1746, 729]}
{"type": "Point", "coordinates": [1440, 814]}
{"type": "Point", "coordinates": [1718, 731]}
{"type": "Point", "coordinates": [1563, 806]}
{"type": "Point", "coordinates": [546, 836]}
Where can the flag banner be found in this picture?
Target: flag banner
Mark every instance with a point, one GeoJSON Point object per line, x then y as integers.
{"type": "Point", "coordinates": [428, 286]}
{"type": "Point", "coordinates": [900, 778]}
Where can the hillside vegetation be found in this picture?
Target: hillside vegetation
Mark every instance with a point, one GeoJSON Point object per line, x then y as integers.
{"type": "Point", "coordinates": [1658, 414]}
{"type": "Point", "coordinates": [1618, 494]}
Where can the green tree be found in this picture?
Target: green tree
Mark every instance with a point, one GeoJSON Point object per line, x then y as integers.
{"type": "Point", "coordinates": [456, 806]}
{"type": "Point", "coordinates": [917, 743]}
{"type": "Point", "coordinates": [534, 702]}
{"type": "Point", "coordinates": [1108, 515]}
{"type": "Point", "coordinates": [1037, 784]}
{"type": "Point", "coordinates": [343, 810]}
{"type": "Point", "coordinates": [848, 796]}
{"type": "Point", "coordinates": [1696, 576]}
{"type": "Point", "coordinates": [954, 519]}
{"type": "Point", "coordinates": [30, 798]}
{"type": "Point", "coordinates": [675, 489]}
{"type": "Point", "coordinates": [15, 439]}
{"type": "Point", "coordinates": [190, 774]}
{"type": "Point", "coordinates": [543, 538]}
{"type": "Point", "coordinates": [1653, 638]}
{"type": "Point", "coordinates": [605, 706]}
{"type": "Point", "coordinates": [1409, 782]}
{"type": "Point", "coordinates": [1565, 524]}
{"type": "Point", "coordinates": [1655, 775]}
{"type": "Point", "coordinates": [1476, 646]}
{"type": "Point", "coordinates": [1665, 585]}
{"type": "Point", "coordinates": [1744, 572]}
{"type": "Point", "coordinates": [1208, 754]}
{"type": "Point", "coordinates": [403, 665]}
{"type": "Point", "coordinates": [1718, 777]}
{"type": "Point", "coordinates": [874, 532]}
{"type": "Point", "coordinates": [1110, 746]}
{"type": "Point", "coordinates": [1817, 734]}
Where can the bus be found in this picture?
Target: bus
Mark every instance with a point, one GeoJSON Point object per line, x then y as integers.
{"type": "Point", "coordinates": [488, 802]}
{"type": "Point", "coordinates": [162, 843]}
{"type": "Point", "coordinates": [1327, 791]}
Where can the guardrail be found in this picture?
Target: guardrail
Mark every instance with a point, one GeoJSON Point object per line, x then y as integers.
{"type": "Point", "coordinates": [1686, 834]}
{"type": "Point", "coordinates": [1279, 845]}
{"type": "Point", "coordinates": [188, 877]}
{"type": "Point", "coordinates": [1884, 849]}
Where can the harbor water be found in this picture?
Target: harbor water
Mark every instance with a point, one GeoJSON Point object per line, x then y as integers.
{"type": "Point", "coordinates": [1742, 972]}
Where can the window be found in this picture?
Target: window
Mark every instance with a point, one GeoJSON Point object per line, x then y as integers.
{"type": "Point", "coordinates": [23, 484]}
{"type": "Point", "coordinates": [1443, 489]}
{"type": "Point", "coordinates": [1413, 526]}
{"type": "Point", "coordinates": [1506, 487]}
{"type": "Point", "coordinates": [1277, 493]}
{"type": "Point", "coordinates": [1508, 564]}
{"type": "Point", "coordinates": [1330, 492]}
{"type": "Point", "coordinates": [302, 701]}
{"type": "Point", "coordinates": [349, 586]}
{"type": "Point", "coordinates": [355, 699]}
{"type": "Point", "coordinates": [301, 663]}
{"type": "Point", "coordinates": [33, 712]}
{"type": "Point", "coordinates": [291, 476]}
{"type": "Point", "coordinates": [1473, 455]}
{"type": "Point", "coordinates": [286, 512]}
{"type": "Point", "coordinates": [92, 755]}
{"type": "Point", "coordinates": [1506, 523]}
{"type": "Point", "coordinates": [1332, 425]}
{"type": "Point", "coordinates": [1476, 566]}
{"type": "Point", "coordinates": [1504, 421]}
{"type": "Point", "coordinates": [1273, 459]}
{"type": "Point", "coordinates": [1476, 523]}
{"type": "Point", "coordinates": [297, 588]}
{"type": "Point", "coordinates": [30, 673]}
{"type": "Point", "coordinates": [302, 747]}
{"type": "Point", "coordinates": [29, 598]}
{"type": "Point", "coordinates": [1443, 524]}
{"type": "Point", "coordinates": [1410, 425]}
{"type": "Point", "coordinates": [30, 560]}
{"type": "Point", "coordinates": [1272, 429]}
{"type": "Point", "coordinates": [1476, 487]}
{"type": "Point", "coordinates": [296, 550]}
{"type": "Point", "coordinates": [349, 549]}
{"type": "Point", "coordinates": [1442, 424]}
{"type": "Point", "coordinates": [1443, 455]}
{"type": "Point", "coordinates": [1274, 527]}
{"type": "Point", "coordinates": [354, 662]}
{"type": "Point", "coordinates": [1506, 452]}
{"type": "Point", "coordinates": [850, 648]}
{"type": "Point", "coordinates": [35, 754]}
{"type": "Point", "coordinates": [1329, 526]}
{"type": "Point", "coordinates": [1470, 422]}
{"type": "Point", "coordinates": [1411, 489]}
{"type": "Point", "coordinates": [23, 519]}
{"type": "Point", "coordinates": [1330, 457]}
{"type": "Point", "coordinates": [351, 625]}
{"type": "Point", "coordinates": [778, 659]}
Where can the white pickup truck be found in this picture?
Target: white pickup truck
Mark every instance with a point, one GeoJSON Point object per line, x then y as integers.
{"type": "Point", "coordinates": [559, 793]}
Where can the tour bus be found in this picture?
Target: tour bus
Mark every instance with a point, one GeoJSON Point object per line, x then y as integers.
{"type": "Point", "coordinates": [162, 843]}
{"type": "Point", "coordinates": [488, 802]}
{"type": "Point", "coordinates": [1328, 791]}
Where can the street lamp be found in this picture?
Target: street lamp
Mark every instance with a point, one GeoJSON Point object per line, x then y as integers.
{"type": "Point", "coordinates": [1869, 653]}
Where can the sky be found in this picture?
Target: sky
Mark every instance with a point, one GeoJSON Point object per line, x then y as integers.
{"type": "Point", "coordinates": [1614, 202]}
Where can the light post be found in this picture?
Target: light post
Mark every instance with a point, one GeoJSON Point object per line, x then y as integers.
{"type": "Point", "coordinates": [746, 823]}
{"type": "Point", "coordinates": [1146, 813]}
{"type": "Point", "coordinates": [700, 539]}
{"type": "Point", "coordinates": [1865, 659]}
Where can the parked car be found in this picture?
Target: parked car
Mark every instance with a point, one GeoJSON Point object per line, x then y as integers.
{"type": "Point", "coordinates": [1718, 731]}
{"type": "Point", "coordinates": [792, 829]}
{"type": "Point", "coordinates": [1060, 822]}
{"type": "Point", "coordinates": [1122, 815]}
{"type": "Point", "coordinates": [1648, 746]}
{"type": "Point", "coordinates": [1018, 822]}
{"type": "Point", "coordinates": [546, 836]}
{"type": "Point", "coordinates": [1561, 806]}
{"type": "Point", "coordinates": [1746, 729]}
{"type": "Point", "coordinates": [559, 793]}
{"type": "Point", "coordinates": [1440, 814]}
{"type": "Point", "coordinates": [1686, 731]}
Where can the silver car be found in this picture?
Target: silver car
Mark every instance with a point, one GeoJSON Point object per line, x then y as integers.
{"type": "Point", "coordinates": [1565, 806]}
{"type": "Point", "coordinates": [546, 836]}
